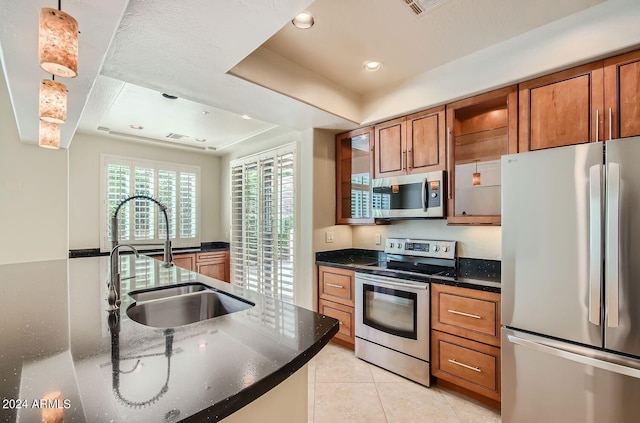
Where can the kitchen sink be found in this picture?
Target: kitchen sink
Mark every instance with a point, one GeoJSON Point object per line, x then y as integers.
{"type": "Point", "coordinates": [166, 291]}
{"type": "Point", "coordinates": [163, 310]}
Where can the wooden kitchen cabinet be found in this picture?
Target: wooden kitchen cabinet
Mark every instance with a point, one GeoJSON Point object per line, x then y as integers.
{"type": "Point", "coordinates": [563, 108]}
{"type": "Point", "coordinates": [345, 316]}
{"type": "Point", "coordinates": [480, 129]}
{"type": "Point", "coordinates": [214, 264]}
{"type": "Point", "coordinates": [465, 340]}
{"type": "Point", "coordinates": [622, 96]}
{"type": "Point", "coordinates": [354, 172]}
{"type": "Point", "coordinates": [389, 151]}
{"type": "Point", "coordinates": [411, 144]}
{"type": "Point", "coordinates": [590, 103]}
{"type": "Point", "coordinates": [336, 291]}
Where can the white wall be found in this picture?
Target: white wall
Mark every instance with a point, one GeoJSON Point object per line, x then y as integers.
{"type": "Point", "coordinates": [33, 194]}
{"type": "Point", "coordinates": [84, 184]}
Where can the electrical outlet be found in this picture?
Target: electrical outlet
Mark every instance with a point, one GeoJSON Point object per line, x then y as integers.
{"type": "Point", "coordinates": [378, 239]}
{"type": "Point", "coordinates": [328, 236]}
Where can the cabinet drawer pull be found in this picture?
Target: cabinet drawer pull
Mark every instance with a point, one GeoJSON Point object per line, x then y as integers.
{"type": "Point", "coordinates": [335, 286]}
{"type": "Point", "coordinates": [475, 316]}
{"type": "Point", "coordinates": [466, 366]}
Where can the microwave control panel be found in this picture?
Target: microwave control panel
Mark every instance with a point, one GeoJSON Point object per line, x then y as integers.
{"type": "Point", "coordinates": [434, 194]}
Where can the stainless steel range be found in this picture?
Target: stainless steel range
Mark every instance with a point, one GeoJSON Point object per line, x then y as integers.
{"type": "Point", "coordinates": [392, 306]}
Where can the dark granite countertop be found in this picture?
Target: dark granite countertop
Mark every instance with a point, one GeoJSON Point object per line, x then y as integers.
{"type": "Point", "coordinates": [56, 337]}
{"type": "Point", "coordinates": [205, 247]}
{"type": "Point", "coordinates": [470, 273]}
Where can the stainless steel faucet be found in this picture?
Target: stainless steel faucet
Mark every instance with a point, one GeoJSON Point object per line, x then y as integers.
{"type": "Point", "coordinates": [168, 253]}
{"type": "Point", "coordinates": [114, 283]}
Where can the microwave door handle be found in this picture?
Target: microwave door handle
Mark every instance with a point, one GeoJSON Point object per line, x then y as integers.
{"type": "Point", "coordinates": [425, 198]}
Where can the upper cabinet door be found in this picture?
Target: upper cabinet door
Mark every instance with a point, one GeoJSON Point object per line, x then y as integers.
{"type": "Point", "coordinates": [622, 96]}
{"type": "Point", "coordinates": [563, 108]}
{"type": "Point", "coordinates": [354, 172]}
{"type": "Point", "coordinates": [425, 146]}
{"type": "Point", "coordinates": [481, 130]}
{"type": "Point", "coordinates": [390, 153]}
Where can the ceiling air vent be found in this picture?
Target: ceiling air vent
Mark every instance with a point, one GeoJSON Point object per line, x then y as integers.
{"type": "Point", "coordinates": [421, 7]}
{"type": "Point", "coordinates": [174, 136]}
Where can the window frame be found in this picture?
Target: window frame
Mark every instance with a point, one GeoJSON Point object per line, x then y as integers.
{"type": "Point", "coordinates": [157, 166]}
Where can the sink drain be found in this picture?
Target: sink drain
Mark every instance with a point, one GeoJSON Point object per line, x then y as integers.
{"type": "Point", "coordinates": [172, 414]}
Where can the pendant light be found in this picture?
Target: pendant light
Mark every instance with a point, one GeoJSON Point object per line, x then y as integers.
{"type": "Point", "coordinates": [49, 135]}
{"type": "Point", "coordinates": [53, 101]}
{"type": "Point", "coordinates": [58, 43]}
{"type": "Point", "coordinates": [476, 176]}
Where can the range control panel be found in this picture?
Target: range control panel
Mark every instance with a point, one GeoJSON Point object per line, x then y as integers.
{"type": "Point", "coordinates": [421, 247]}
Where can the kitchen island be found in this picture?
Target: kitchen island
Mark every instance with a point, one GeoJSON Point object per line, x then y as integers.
{"type": "Point", "coordinates": [60, 343]}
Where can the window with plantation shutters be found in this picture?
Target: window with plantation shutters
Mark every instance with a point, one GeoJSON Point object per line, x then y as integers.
{"type": "Point", "coordinates": [263, 222]}
{"type": "Point", "coordinates": [141, 221]}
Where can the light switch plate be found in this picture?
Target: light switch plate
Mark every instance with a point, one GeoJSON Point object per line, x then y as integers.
{"type": "Point", "coordinates": [328, 236]}
{"type": "Point", "coordinates": [378, 239]}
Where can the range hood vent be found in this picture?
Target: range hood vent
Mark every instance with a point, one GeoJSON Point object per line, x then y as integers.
{"type": "Point", "coordinates": [421, 7]}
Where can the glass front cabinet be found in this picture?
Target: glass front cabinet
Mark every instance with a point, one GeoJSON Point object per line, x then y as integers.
{"type": "Point", "coordinates": [354, 173]}
{"type": "Point", "coordinates": [480, 130]}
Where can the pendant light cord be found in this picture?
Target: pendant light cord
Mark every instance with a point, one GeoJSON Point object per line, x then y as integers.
{"type": "Point", "coordinates": [59, 4]}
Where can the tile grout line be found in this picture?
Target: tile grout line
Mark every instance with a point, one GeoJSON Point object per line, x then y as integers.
{"type": "Point", "coordinates": [375, 385]}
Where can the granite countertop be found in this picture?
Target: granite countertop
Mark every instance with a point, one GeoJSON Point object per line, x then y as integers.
{"type": "Point", "coordinates": [470, 273]}
{"type": "Point", "coordinates": [205, 247]}
{"type": "Point", "coordinates": [56, 337]}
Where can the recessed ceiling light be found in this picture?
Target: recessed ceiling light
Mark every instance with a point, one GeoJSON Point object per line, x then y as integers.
{"type": "Point", "coordinates": [372, 66]}
{"type": "Point", "coordinates": [136, 126]}
{"type": "Point", "coordinates": [201, 139]}
{"type": "Point", "coordinates": [303, 20]}
{"type": "Point", "coordinates": [205, 112]}
{"type": "Point", "coordinates": [246, 117]}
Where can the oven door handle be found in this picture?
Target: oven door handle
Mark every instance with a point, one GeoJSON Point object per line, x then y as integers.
{"type": "Point", "coordinates": [386, 281]}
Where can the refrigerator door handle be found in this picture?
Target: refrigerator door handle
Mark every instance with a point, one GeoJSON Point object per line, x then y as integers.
{"type": "Point", "coordinates": [595, 243]}
{"type": "Point", "coordinates": [612, 249]}
{"type": "Point", "coordinates": [578, 358]}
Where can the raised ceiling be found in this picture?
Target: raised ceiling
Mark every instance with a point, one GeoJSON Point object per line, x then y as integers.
{"type": "Point", "coordinates": [244, 57]}
{"type": "Point", "coordinates": [348, 33]}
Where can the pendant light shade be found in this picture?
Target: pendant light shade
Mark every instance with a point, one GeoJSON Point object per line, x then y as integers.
{"type": "Point", "coordinates": [476, 176]}
{"type": "Point", "coordinates": [58, 43]}
{"type": "Point", "coordinates": [53, 101]}
{"type": "Point", "coordinates": [49, 136]}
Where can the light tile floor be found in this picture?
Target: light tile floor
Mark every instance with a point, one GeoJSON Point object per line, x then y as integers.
{"type": "Point", "coordinates": [343, 388]}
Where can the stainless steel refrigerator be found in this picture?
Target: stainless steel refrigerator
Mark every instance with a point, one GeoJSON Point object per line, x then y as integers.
{"type": "Point", "coordinates": [571, 284]}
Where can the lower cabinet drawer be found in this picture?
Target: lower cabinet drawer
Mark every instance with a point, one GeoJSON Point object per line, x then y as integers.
{"type": "Point", "coordinates": [466, 363]}
{"type": "Point", "coordinates": [344, 314]}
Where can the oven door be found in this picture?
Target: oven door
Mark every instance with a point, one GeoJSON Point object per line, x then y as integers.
{"type": "Point", "coordinates": [409, 196]}
{"type": "Point", "coordinates": [393, 313]}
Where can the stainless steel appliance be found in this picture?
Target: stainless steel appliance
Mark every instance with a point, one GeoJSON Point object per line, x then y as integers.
{"type": "Point", "coordinates": [571, 284]}
{"type": "Point", "coordinates": [410, 196]}
{"type": "Point", "coordinates": [392, 313]}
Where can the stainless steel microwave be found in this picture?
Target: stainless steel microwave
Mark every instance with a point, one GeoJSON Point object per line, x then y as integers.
{"type": "Point", "coordinates": [410, 196]}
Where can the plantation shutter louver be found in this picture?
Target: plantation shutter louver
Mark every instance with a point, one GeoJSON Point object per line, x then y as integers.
{"type": "Point", "coordinates": [263, 222]}
{"type": "Point", "coordinates": [142, 221]}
